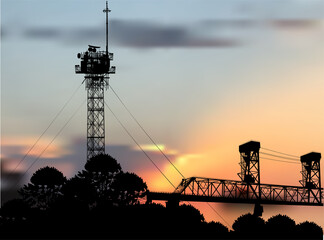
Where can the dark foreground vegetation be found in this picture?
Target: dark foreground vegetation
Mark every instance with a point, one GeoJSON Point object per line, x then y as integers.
{"type": "Point", "coordinates": [102, 201]}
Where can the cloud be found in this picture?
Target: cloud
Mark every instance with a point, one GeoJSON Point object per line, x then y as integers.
{"type": "Point", "coordinates": [19, 146]}
{"type": "Point", "coordinates": [151, 147]}
{"type": "Point", "coordinates": [130, 158]}
{"type": "Point", "coordinates": [3, 32]}
{"type": "Point", "coordinates": [294, 23]}
{"type": "Point", "coordinates": [43, 33]}
{"type": "Point", "coordinates": [134, 34]}
{"type": "Point", "coordinates": [149, 35]}
{"type": "Point", "coordinates": [229, 23]}
{"type": "Point", "coordinates": [69, 162]}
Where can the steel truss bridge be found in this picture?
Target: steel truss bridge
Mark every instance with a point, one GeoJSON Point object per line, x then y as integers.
{"type": "Point", "coordinates": [249, 189]}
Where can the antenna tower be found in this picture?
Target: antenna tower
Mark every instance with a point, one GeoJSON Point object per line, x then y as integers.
{"type": "Point", "coordinates": [95, 64]}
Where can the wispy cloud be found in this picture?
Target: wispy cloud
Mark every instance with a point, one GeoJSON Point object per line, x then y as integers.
{"type": "Point", "coordinates": [19, 146]}
{"type": "Point", "coordinates": [150, 35]}
{"type": "Point", "coordinates": [43, 33]}
{"type": "Point", "coordinates": [146, 35]}
{"type": "Point", "coordinates": [70, 162]}
{"type": "Point", "coordinates": [135, 34]}
{"type": "Point", "coordinates": [295, 23]}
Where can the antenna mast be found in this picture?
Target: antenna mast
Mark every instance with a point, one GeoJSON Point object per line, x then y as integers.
{"type": "Point", "coordinates": [106, 10]}
{"type": "Point", "coordinates": [95, 64]}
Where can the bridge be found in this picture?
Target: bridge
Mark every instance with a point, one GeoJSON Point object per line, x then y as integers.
{"type": "Point", "coordinates": [249, 189]}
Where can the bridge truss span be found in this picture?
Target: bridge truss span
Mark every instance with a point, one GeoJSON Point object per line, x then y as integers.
{"type": "Point", "coordinates": [215, 190]}
{"type": "Point", "coordinates": [250, 189]}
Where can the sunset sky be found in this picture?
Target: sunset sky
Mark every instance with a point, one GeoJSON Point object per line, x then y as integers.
{"type": "Point", "coordinates": [201, 76]}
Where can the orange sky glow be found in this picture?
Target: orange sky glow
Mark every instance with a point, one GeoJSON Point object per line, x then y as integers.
{"type": "Point", "coordinates": [198, 102]}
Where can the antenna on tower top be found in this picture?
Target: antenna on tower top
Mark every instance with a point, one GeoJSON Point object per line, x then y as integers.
{"type": "Point", "coordinates": [106, 10]}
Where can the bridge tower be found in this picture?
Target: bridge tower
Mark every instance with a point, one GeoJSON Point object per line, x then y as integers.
{"type": "Point", "coordinates": [250, 172]}
{"type": "Point", "coordinates": [311, 177]}
{"type": "Point", "coordinates": [249, 162]}
{"type": "Point", "coordinates": [95, 64]}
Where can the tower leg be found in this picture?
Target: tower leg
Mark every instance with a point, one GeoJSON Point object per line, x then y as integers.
{"type": "Point", "coordinates": [96, 117]}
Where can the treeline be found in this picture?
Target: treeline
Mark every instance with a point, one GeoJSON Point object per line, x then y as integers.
{"type": "Point", "coordinates": [103, 201]}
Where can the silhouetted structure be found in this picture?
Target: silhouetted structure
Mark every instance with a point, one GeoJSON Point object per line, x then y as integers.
{"type": "Point", "coordinates": [249, 189]}
{"type": "Point", "coordinates": [96, 67]}
{"type": "Point", "coordinates": [311, 176]}
{"type": "Point", "coordinates": [103, 202]}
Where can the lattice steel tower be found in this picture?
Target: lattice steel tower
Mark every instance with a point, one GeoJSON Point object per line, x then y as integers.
{"type": "Point", "coordinates": [95, 64]}
{"type": "Point", "coordinates": [311, 176]}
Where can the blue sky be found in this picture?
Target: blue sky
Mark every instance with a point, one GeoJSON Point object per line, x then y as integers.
{"type": "Point", "coordinates": [201, 76]}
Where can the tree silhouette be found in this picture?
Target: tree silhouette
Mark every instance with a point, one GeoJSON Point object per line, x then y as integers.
{"type": "Point", "coordinates": [103, 163]}
{"type": "Point", "coordinates": [70, 212]}
{"type": "Point", "coordinates": [79, 190]}
{"type": "Point", "coordinates": [309, 230]}
{"type": "Point", "coordinates": [248, 223]}
{"type": "Point", "coordinates": [101, 171]}
{"type": "Point", "coordinates": [184, 217]}
{"type": "Point", "coordinates": [44, 189]}
{"type": "Point", "coordinates": [15, 209]}
{"type": "Point", "coordinates": [191, 213]}
{"type": "Point", "coordinates": [49, 176]}
{"type": "Point", "coordinates": [128, 188]}
{"type": "Point", "coordinates": [217, 228]}
{"type": "Point", "coordinates": [103, 201]}
{"type": "Point", "coordinates": [280, 224]}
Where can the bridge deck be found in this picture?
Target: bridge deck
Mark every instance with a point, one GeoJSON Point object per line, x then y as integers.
{"type": "Point", "coordinates": [162, 196]}
{"type": "Point", "coordinates": [230, 191]}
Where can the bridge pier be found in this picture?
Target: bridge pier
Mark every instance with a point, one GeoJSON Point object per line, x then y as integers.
{"type": "Point", "coordinates": [258, 210]}
{"type": "Point", "coordinates": [172, 203]}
